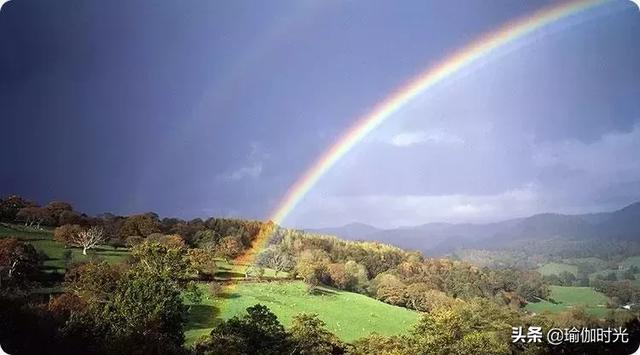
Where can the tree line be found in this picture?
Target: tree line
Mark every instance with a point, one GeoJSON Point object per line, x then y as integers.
{"type": "Point", "coordinates": [393, 275]}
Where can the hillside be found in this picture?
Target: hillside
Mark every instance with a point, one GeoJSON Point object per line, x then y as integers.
{"type": "Point", "coordinates": [365, 315]}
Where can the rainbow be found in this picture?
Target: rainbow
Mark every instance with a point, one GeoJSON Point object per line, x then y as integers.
{"type": "Point", "coordinates": [421, 83]}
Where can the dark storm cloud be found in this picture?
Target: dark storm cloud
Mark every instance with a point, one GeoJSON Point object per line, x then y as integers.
{"type": "Point", "coordinates": [207, 108]}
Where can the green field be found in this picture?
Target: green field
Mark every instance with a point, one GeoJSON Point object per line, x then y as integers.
{"type": "Point", "coordinates": [632, 261]}
{"type": "Point", "coordinates": [349, 315]}
{"type": "Point", "coordinates": [594, 303]}
{"type": "Point", "coordinates": [43, 241]}
{"type": "Point", "coordinates": [557, 268]}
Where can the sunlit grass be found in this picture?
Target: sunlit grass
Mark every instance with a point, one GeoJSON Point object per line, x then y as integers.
{"type": "Point", "coordinates": [569, 297]}
{"type": "Point", "coordinates": [349, 315]}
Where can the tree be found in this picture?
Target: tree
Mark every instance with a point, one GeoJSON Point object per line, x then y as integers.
{"type": "Point", "coordinates": [358, 273]}
{"type": "Point", "coordinates": [88, 238]}
{"type": "Point", "coordinates": [19, 265]}
{"type": "Point", "coordinates": [202, 261]}
{"type": "Point", "coordinates": [258, 332]}
{"type": "Point", "coordinates": [421, 298]}
{"type": "Point", "coordinates": [66, 233]}
{"type": "Point", "coordinates": [312, 266]}
{"type": "Point", "coordinates": [567, 278]}
{"type": "Point", "coordinates": [135, 311]}
{"type": "Point", "coordinates": [475, 327]}
{"type": "Point", "coordinates": [339, 277]}
{"type": "Point", "coordinates": [276, 260]}
{"type": "Point", "coordinates": [309, 337]}
{"type": "Point", "coordinates": [35, 217]}
{"type": "Point", "coordinates": [57, 208]}
{"type": "Point", "coordinates": [388, 288]}
{"type": "Point", "coordinates": [10, 206]}
{"type": "Point", "coordinates": [93, 282]}
{"type": "Point", "coordinates": [228, 248]}
{"type": "Point", "coordinates": [172, 241]}
{"type": "Point", "coordinates": [205, 237]}
{"type": "Point", "coordinates": [142, 225]}
{"type": "Point", "coordinates": [162, 260]}
{"type": "Point", "coordinates": [382, 345]}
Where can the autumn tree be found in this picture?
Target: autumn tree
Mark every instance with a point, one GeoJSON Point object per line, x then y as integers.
{"type": "Point", "coordinates": [475, 327]}
{"type": "Point", "coordinates": [389, 288]}
{"type": "Point", "coordinates": [172, 241]}
{"type": "Point", "coordinates": [358, 274]}
{"type": "Point", "coordinates": [66, 233]}
{"type": "Point", "coordinates": [165, 261]}
{"type": "Point", "coordinates": [339, 277]}
{"type": "Point", "coordinates": [19, 264]}
{"type": "Point", "coordinates": [421, 297]}
{"type": "Point", "coordinates": [56, 210]}
{"type": "Point", "coordinates": [10, 206]}
{"type": "Point", "coordinates": [309, 336]}
{"type": "Point", "coordinates": [312, 266]}
{"type": "Point", "coordinates": [141, 225]}
{"type": "Point", "coordinates": [35, 217]}
{"type": "Point", "coordinates": [202, 261]}
{"type": "Point", "coordinates": [228, 248]}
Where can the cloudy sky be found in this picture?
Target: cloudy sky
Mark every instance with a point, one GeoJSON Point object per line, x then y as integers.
{"type": "Point", "coordinates": [207, 108]}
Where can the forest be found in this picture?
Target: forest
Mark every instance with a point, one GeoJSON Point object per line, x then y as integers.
{"type": "Point", "coordinates": [76, 284]}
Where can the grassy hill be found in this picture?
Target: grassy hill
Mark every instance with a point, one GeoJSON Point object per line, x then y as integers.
{"type": "Point", "coordinates": [557, 268]}
{"type": "Point", "coordinates": [349, 315]}
{"type": "Point", "coordinates": [43, 241]}
{"type": "Point", "coordinates": [364, 316]}
{"type": "Point", "coordinates": [595, 303]}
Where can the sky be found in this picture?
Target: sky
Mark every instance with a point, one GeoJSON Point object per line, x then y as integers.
{"type": "Point", "coordinates": [215, 108]}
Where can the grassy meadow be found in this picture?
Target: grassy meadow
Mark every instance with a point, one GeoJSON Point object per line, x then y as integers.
{"type": "Point", "coordinates": [349, 315]}
{"type": "Point", "coordinates": [43, 241]}
{"type": "Point", "coordinates": [557, 268]}
{"type": "Point", "coordinates": [568, 297]}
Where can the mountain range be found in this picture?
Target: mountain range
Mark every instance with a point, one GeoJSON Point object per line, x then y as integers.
{"type": "Point", "coordinates": [441, 238]}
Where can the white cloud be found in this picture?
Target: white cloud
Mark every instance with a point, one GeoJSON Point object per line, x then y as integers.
{"type": "Point", "coordinates": [406, 139]}
{"type": "Point", "coordinates": [251, 171]}
{"type": "Point", "coordinates": [252, 168]}
{"type": "Point", "coordinates": [408, 210]}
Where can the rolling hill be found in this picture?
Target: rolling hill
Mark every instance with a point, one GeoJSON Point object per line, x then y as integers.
{"type": "Point", "coordinates": [442, 238]}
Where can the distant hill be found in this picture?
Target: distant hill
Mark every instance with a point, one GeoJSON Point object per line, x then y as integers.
{"type": "Point", "coordinates": [623, 224]}
{"type": "Point", "coordinates": [442, 238]}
